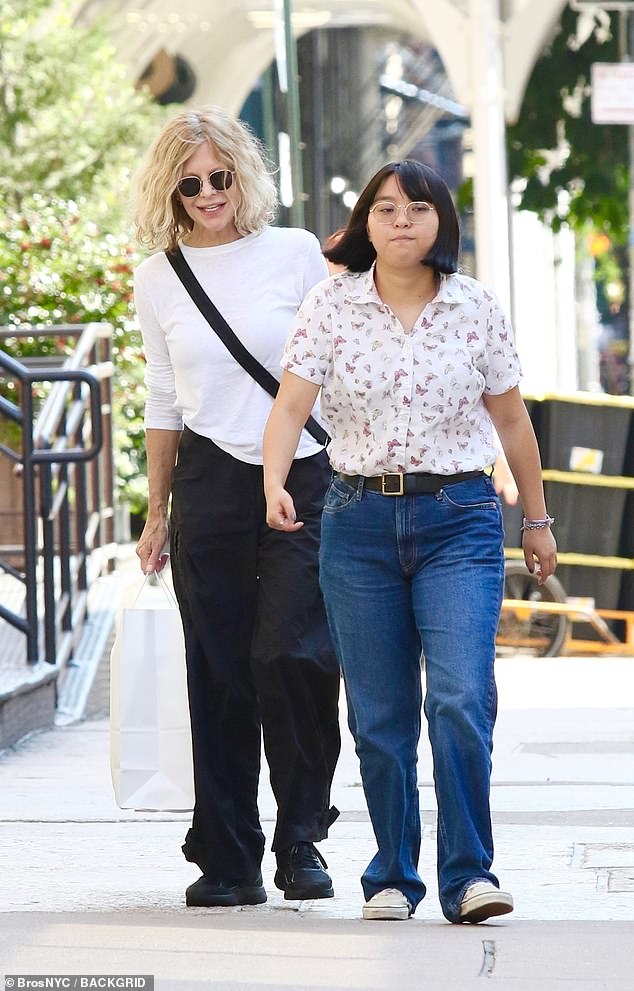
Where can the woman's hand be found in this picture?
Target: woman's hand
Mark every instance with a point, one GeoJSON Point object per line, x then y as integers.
{"type": "Point", "coordinates": [292, 405]}
{"type": "Point", "coordinates": [280, 511]}
{"type": "Point", "coordinates": [150, 548]}
{"type": "Point", "coordinates": [161, 447]}
{"type": "Point", "coordinates": [540, 553]}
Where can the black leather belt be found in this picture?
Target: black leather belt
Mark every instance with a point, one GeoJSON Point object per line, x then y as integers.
{"type": "Point", "coordinates": [395, 483]}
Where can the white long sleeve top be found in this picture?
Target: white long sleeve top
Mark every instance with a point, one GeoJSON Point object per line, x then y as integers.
{"type": "Point", "coordinates": [258, 283]}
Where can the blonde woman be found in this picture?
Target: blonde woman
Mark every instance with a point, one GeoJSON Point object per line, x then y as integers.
{"type": "Point", "coordinates": [258, 649]}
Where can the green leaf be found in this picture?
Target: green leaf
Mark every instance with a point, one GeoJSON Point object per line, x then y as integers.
{"type": "Point", "coordinates": [72, 128]}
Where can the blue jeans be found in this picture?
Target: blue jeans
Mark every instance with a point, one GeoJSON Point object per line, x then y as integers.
{"type": "Point", "coordinates": [399, 575]}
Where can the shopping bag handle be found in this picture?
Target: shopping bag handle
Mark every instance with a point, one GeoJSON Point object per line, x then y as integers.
{"type": "Point", "coordinates": [167, 591]}
{"type": "Point", "coordinates": [171, 598]}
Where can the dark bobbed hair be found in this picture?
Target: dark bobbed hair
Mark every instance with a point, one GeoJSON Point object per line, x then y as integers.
{"type": "Point", "coordinates": [419, 182]}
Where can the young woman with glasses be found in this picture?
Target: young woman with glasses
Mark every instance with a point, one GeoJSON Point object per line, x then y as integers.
{"type": "Point", "coordinates": [258, 648]}
{"type": "Point", "coordinates": [416, 365]}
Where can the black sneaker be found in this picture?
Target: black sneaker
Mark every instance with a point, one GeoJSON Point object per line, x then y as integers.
{"type": "Point", "coordinates": [207, 892]}
{"type": "Point", "coordinates": [300, 873]}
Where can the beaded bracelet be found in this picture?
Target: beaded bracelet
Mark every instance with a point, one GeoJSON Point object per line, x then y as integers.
{"type": "Point", "coordinates": [536, 524]}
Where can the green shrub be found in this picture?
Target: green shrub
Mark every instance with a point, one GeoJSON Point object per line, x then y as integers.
{"type": "Point", "coordinates": [72, 128]}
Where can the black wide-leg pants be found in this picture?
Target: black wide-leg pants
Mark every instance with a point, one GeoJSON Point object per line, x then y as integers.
{"type": "Point", "coordinates": [258, 652]}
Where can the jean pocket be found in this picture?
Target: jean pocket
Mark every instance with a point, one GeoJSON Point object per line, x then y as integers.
{"type": "Point", "coordinates": [338, 496]}
{"type": "Point", "coordinates": [475, 493]}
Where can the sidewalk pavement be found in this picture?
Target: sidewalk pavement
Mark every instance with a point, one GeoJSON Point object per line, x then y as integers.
{"type": "Point", "coordinates": [90, 889]}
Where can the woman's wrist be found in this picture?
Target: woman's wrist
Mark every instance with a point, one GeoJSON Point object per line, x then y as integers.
{"type": "Point", "coordinates": [538, 524]}
{"type": "Point", "coordinates": [157, 515]}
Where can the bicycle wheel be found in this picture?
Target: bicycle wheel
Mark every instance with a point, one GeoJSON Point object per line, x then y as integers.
{"type": "Point", "coordinates": [541, 634]}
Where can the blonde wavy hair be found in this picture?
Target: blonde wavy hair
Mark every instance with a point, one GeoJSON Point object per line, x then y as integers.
{"type": "Point", "coordinates": [159, 218]}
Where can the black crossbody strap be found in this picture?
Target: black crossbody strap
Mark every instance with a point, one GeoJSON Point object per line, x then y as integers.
{"type": "Point", "coordinates": [233, 344]}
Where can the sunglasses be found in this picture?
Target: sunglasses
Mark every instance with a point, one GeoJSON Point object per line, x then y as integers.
{"type": "Point", "coordinates": [192, 185]}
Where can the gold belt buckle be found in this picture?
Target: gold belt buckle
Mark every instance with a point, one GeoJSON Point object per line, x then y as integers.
{"type": "Point", "coordinates": [392, 478]}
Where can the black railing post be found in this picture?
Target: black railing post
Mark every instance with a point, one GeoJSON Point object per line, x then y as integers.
{"type": "Point", "coordinates": [81, 523]}
{"type": "Point", "coordinates": [64, 516]}
{"type": "Point", "coordinates": [64, 549]}
{"type": "Point", "coordinates": [30, 532]}
{"type": "Point", "coordinates": [48, 562]}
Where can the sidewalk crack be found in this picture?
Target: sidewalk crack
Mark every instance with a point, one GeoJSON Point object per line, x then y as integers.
{"type": "Point", "coordinates": [488, 959]}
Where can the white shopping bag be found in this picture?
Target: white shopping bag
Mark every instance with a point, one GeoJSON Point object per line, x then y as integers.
{"type": "Point", "coordinates": [150, 734]}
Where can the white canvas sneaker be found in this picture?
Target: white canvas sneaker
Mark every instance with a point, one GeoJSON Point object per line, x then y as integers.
{"type": "Point", "coordinates": [482, 900]}
{"type": "Point", "coordinates": [387, 904]}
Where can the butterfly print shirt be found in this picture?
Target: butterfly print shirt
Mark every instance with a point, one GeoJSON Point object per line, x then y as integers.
{"type": "Point", "coordinates": [404, 401]}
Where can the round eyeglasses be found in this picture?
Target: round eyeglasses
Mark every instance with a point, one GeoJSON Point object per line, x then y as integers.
{"type": "Point", "coordinates": [192, 185]}
{"type": "Point", "coordinates": [386, 212]}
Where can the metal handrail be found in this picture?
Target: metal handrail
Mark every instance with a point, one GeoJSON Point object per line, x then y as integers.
{"type": "Point", "coordinates": [54, 406]}
{"type": "Point", "coordinates": [52, 448]}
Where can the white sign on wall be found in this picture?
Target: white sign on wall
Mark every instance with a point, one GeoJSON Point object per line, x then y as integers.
{"type": "Point", "coordinates": [612, 99]}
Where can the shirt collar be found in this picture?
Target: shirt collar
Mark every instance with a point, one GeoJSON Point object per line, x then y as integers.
{"type": "Point", "coordinates": [360, 288]}
{"type": "Point", "coordinates": [451, 290]}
